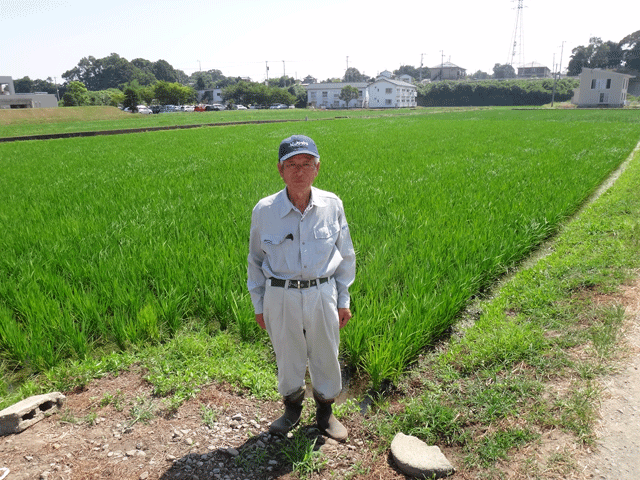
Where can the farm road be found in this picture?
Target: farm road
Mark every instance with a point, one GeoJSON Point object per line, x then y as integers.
{"type": "Point", "coordinates": [618, 430]}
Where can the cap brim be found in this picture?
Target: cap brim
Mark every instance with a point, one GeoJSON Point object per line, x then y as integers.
{"type": "Point", "coordinates": [298, 152]}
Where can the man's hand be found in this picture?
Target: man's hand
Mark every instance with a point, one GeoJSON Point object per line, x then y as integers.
{"type": "Point", "coordinates": [260, 321]}
{"type": "Point", "coordinates": [344, 314]}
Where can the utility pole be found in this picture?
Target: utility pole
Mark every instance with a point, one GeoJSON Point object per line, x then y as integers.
{"type": "Point", "coordinates": [284, 71]}
{"type": "Point", "coordinates": [346, 72]}
{"type": "Point", "coordinates": [421, 55]}
{"type": "Point", "coordinates": [556, 74]}
{"type": "Point", "coordinates": [267, 65]}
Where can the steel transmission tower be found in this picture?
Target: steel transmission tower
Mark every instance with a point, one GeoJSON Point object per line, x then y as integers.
{"type": "Point", "coordinates": [517, 43]}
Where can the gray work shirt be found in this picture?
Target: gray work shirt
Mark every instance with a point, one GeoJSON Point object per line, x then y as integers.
{"type": "Point", "coordinates": [288, 244]}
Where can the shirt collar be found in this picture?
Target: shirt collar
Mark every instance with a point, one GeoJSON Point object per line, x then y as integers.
{"type": "Point", "coordinates": [286, 206]}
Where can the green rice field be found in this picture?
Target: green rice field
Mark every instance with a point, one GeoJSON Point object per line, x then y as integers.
{"type": "Point", "coordinates": [117, 241]}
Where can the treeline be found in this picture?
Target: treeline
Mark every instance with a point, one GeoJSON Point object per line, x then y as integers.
{"type": "Point", "coordinates": [495, 92]}
{"type": "Point", "coordinates": [248, 93]}
{"type": "Point", "coordinates": [115, 81]}
{"type": "Point", "coordinates": [622, 56]}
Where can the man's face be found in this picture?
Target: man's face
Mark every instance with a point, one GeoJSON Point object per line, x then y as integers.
{"type": "Point", "coordinates": [299, 171]}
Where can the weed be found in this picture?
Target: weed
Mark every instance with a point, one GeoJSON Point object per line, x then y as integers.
{"type": "Point", "coordinates": [209, 415]}
{"type": "Point", "coordinates": [300, 451]}
{"type": "Point", "coordinates": [142, 410]}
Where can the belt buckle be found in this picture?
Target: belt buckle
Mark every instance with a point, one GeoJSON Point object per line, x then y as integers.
{"type": "Point", "coordinates": [295, 285]}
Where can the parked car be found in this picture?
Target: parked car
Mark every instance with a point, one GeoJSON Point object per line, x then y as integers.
{"type": "Point", "coordinates": [216, 107]}
{"type": "Point", "coordinates": [144, 109]}
{"type": "Point", "coordinates": [156, 108]}
{"type": "Point", "coordinates": [240, 107]}
{"type": "Point", "coordinates": [200, 108]}
{"type": "Point", "coordinates": [278, 106]}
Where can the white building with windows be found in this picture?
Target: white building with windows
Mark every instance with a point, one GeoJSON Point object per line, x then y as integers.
{"type": "Point", "coordinates": [10, 99]}
{"type": "Point", "coordinates": [601, 88]}
{"type": "Point", "coordinates": [390, 93]}
{"type": "Point", "coordinates": [327, 95]}
{"type": "Point", "coordinates": [384, 92]}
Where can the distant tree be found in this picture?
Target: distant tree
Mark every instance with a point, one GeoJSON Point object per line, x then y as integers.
{"type": "Point", "coordinates": [116, 97]}
{"type": "Point", "coordinates": [282, 82]}
{"type": "Point", "coordinates": [503, 71]}
{"type": "Point", "coordinates": [173, 93]}
{"type": "Point", "coordinates": [414, 72]}
{"type": "Point", "coordinates": [348, 93]}
{"type": "Point", "coordinates": [353, 75]}
{"type": "Point", "coordinates": [99, 98]}
{"type": "Point", "coordinates": [251, 93]}
{"type": "Point", "coordinates": [131, 99]}
{"type": "Point", "coordinates": [76, 95]}
{"type": "Point", "coordinates": [597, 54]}
{"type": "Point", "coordinates": [300, 93]}
{"type": "Point", "coordinates": [630, 47]}
{"type": "Point", "coordinates": [23, 85]}
{"type": "Point", "coordinates": [113, 71]}
{"type": "Point", "coordinates": [164, 72]}
{"type": "Point", "coordinates": [144, 73]}
{"type": "Point", "coordinates": [480, 75]}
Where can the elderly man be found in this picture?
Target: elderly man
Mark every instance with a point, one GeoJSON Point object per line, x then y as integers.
{"type": "Point", "coordinates": [300, 266]}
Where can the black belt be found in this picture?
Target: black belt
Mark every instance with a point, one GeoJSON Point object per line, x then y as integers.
{"type": "Point", "coordinates": [276, 282]}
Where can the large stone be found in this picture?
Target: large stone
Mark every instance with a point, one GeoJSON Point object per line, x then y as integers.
{"type": "Point", "coordinates": [417, 459]}
{"type": "Point", "coordinates": [17, 417]}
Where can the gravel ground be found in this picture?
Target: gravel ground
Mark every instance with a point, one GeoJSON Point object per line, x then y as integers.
{"type": "Point", "coordinates": [617, 453]}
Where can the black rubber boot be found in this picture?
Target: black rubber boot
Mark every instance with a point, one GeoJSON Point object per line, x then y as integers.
{"type": "Point", "coordinates": [328, 424]}
{"type": "Point", "coordinates": [292, 412]}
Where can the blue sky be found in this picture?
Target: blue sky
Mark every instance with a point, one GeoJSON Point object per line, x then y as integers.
{"type": "Point", "coordinates": [43, 38]}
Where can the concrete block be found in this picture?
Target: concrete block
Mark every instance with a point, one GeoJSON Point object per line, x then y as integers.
{"type": "Point", "coordinates": [417, 459]}
{"type": "Point", "coordinates": [16, 418]}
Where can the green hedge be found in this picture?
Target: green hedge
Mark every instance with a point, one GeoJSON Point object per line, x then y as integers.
{"type": "Point", "coordinates": [495, 92]}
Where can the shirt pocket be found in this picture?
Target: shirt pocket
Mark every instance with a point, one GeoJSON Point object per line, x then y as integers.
{"type": "Point", "coordinates": [326, 236]}
{"type": "Point", "coordinates": [272, 240]}
{"type": "Point", "coordinates": [275, 247]}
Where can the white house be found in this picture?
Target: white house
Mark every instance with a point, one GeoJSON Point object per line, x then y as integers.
{"type": "Point", "coordinates": [447, 71]}
{"type": "Point", "coordinates": [327, 95]}
{"type": "Point", "coordinates": [215, 94]}
{"type": "Point", "coordinates": [601, 88]}
{"type": "Point", "coordinates": [10, 99]}
{"type": "Point", "coordinates": [389, 93]}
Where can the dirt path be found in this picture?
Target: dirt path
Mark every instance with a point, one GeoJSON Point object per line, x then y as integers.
{"type": "Point", "coordinates": [617, 454]}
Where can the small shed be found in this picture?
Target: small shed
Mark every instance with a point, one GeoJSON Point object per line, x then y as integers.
{"type": "Point", "coordinates": [601, 88]}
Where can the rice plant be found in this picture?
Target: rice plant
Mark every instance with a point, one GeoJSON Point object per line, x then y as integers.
{"type": "Point", "coordinates": [118, 241]}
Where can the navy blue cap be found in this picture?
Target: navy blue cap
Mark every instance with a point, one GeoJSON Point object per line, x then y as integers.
{"type": "Point", "coordinates": [295, 145]}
